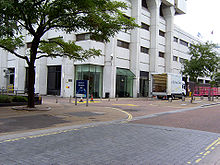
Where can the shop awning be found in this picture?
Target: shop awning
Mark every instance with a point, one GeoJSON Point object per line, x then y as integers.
{"type": "Point", "coordinates": [125, 72]}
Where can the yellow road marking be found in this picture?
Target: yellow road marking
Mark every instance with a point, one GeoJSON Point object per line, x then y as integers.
{"type": "Point", "coordinates": [212, 144]}
{"type": "Point", "coordinates": [198, 160]}
{"type": "Point", "coordinates": [207, 151]}
{"type": "Point", "coordinates": [129, 115]}
{"type": "Point", "coordinates": [131, 105]}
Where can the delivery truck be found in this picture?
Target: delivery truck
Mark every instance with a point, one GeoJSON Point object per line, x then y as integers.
{"type": "Point", "coordinates": [168, 85]}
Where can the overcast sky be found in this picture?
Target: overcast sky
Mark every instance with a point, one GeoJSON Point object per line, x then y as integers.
{"type": "Point", "coordinates": [203, 16]}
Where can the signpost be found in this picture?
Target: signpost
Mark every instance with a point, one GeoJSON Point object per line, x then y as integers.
{"type": "Point", "coordinates": [82, 90]}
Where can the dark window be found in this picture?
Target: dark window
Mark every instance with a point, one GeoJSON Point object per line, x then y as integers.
{"type": "Point", "coordinates": [123, 44]}
{"type": "Point", "coordinates": [29, 44]}
{"type": "Point", "coordinates": [200, 81]}
{"type": "Point", "coordinates": [207, 81]}
{"type": "Point", "coordinates": [175, 39]}
{"type": "Point", "coordinates": [144, 50]}
{"type": "Point", "coordinates": [181, 60]}
{"type": "Point", "coordinates": [145, 26]}
{"type": "Point", "coordinates": [161, 54]}
{"type": "Point", "coordinates": [81, 37]}
{"type": "Point", "coordinates": [182, 42]}
{"type": "Point", "coordinates": [175, 58]}
{"type": "Point", "coordinates": [161, 33]}
{"type": "Point", "coordinates": [144, 4]}
{"type": "Point", "coordinates": [54, 80]}
{"type": "Point", "coordinates": [161, 10]}
{"type": "Point", "coordinates": [126, 16]}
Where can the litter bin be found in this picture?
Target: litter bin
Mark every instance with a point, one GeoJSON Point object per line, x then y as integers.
{"type": "Point", "coordinates": [107, 94]}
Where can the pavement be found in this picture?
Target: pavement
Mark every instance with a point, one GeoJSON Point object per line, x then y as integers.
{"type": "Point", "coordinates": [115, 131]}
{"type": "Point", "coordinates": [63, 112]}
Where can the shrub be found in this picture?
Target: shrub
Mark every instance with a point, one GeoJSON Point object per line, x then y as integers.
{"type": "Point", "coordinates": [19, 99]}
{"type": "Point", "coordinates": [5, 99]}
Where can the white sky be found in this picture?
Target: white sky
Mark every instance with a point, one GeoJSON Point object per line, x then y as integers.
{"type": "Point", "coordinates": [202, 16]}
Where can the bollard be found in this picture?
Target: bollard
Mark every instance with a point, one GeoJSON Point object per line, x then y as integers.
{"type": "Point", "coordinates": [202, 97]}
{"type": "Point", "coordinates": [212, 98]}
{"type": "Point", "coordinates": [116, 97]}
{"type": "Point", "coordinates": [217, 97]}
{"type": "Point", "coordinates": [56, 100]}
{"type": "Point", "coordinates": [75, 100]}
{"type": "Point", "coordinates": [170, 99]}
{"type": "Point", "coordinates": [183, 98]}
{"type": "Point", "coordinates": [109, 99]}
{"type": "Point", "coordinates": [70, 99]}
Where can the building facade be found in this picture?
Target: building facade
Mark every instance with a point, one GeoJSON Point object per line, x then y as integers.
{"type": "Point", "coordinates": [129, 58]}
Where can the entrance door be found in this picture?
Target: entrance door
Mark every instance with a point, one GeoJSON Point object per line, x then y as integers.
{"type": "Point", "coordinates": [144, 87]}
{"type": "Point", "coordinates": [121, 86]}
{"type": "Point", "coordinates": [144, 83]}
{"type": "Point", "coordinates": [54, 80]}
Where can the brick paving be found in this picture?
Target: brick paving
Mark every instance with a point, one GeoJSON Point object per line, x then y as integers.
{"type": "Point", "coordinates": [110, 144]}
{"type": "Point", "coordinates": [94, 135]}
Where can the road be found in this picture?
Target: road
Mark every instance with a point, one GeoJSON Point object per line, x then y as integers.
{"type": "Point", "coordinates": [157, 140]}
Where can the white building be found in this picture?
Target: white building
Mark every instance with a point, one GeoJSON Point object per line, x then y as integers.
{"type": "Point", "coordinates": [129, 58]}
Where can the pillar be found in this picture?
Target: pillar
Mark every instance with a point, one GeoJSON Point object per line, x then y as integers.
{"type": "Point", "coordinates": [169, 13]}
{"type": "Point", "coordinates": [135, 45]}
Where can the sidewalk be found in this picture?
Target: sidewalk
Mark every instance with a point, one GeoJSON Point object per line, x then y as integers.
{"type": "Point", "coordinates": [64, 112]}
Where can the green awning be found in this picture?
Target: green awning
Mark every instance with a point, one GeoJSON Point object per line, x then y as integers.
{"type": "Point", "coordinates": [125, 72]}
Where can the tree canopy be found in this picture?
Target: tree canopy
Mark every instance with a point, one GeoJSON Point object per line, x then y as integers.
{"type": "Point", "coordinates": [203, 62]}
{"type": "Point", "coordinates": [101, 18]}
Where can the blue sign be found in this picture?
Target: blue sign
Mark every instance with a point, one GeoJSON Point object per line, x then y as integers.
{"type": "Point", "coordinates": [81, 88]}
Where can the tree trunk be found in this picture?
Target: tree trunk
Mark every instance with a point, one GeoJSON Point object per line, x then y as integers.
{"type": "Point", "coordinates": [31, 74]}
{"type": "Point", "coordinates": [31, 83]}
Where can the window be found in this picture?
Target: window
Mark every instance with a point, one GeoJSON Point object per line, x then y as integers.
{"type": "Point", "coordinates": [182, 42]}
{"type": "Point", "coordinates": [181, 60]}
{"type": "Point", "coordinates": [81, 37]}
{"type": "Point", "coordinates": [87, 36]}
{"type": "Point", "coordinates": [29, 44]}
{"type": "Point", "coordinates": [123, 44]}
{"type": "Point", "coordinates": [161, 33]}
{"type": "Point", "coordinates": [175, 39]}
{"type": "Point", "coordinates": [144, 4]}
{"type": "Point", "coordinates": [126, 16]}
{"type": "Point", "coordinates": [161, 54]}
{"type": "Point", "coordinates": [144, 50]}
{"type": "Point", "coordinates": [175, 58]}
{"type": "Point", "coordinates": [145, 26]}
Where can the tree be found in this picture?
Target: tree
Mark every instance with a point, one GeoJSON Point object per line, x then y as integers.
{"type": "Point", "coordinates": [101, 18]}
{"type": "Point", "coordinates": [203, 62]}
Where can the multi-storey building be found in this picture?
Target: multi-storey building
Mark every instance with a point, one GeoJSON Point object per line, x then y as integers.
{"type": "Point", "coordinates": [129, 58]}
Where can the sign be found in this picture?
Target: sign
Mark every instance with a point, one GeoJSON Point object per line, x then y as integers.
{"type": "Point", "coordinates": [81, 88]}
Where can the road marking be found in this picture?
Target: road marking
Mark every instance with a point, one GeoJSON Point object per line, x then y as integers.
{"type": "Point", "coordinates": [129, 115]}
{"type": "Point", "coordinates": [46, 134]}
{"type": "Point", "coordinates": [131, 105]}
{"type": "Point", "coordinates": [207, 151]}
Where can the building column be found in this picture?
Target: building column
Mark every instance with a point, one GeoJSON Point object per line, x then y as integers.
{"type": "Point", "coordinates": [3, 68]}
{"type": "Point", "coordinates": [67, 78]}
{"type": "Point", "coordinates": [109, 71]}
{"type": "Point", "coordinates": [154, 7]}
{"type": "Point", "coordinates": [135, 45]}
{"type": "Point", "coordinates": [41, 76]}
{"type": "Point", "coordinates": [20, 72]}
{"type": "Point", "coordinates": [169, 13]}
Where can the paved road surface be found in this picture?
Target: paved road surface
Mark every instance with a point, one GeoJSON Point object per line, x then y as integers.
{"type": "Point", "coordinates": [151, 141]}
{"type": "Point", "coordinates": [113, 144]}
